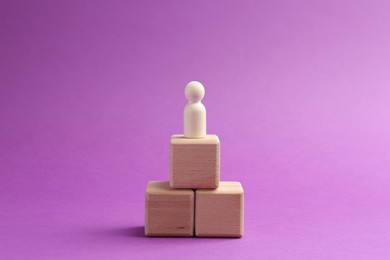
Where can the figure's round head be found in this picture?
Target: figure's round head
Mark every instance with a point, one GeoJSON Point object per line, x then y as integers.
{"type": "Point", "coordinates": [194, 91]}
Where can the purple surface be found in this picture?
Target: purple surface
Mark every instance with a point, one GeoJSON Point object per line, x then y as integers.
{"type": "Point", "coordinates": [297, 91]}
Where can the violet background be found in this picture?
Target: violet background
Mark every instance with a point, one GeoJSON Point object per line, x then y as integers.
{"type": "Point", "coordinates": [297, 91]}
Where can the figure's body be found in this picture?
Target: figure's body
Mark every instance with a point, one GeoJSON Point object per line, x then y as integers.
{"type": "Point", "coordinates": [194, 111]}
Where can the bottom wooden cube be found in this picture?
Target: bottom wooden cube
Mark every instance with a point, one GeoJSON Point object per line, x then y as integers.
{"type": "Point", "coordinates": [220, 212]}
{"type": "Point", "coordinates": [168, 212]}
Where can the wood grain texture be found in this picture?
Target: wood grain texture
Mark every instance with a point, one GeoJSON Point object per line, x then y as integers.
{"type": "Point", "coordinates": [168, 212]}
{"type": "Point", "coordinates": [194, 163]}
{"type": "Point", "coordinates": [220, 212]}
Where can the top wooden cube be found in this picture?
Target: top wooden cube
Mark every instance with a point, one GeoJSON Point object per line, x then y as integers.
{"type": "Point", "coordinates": [195, 163]}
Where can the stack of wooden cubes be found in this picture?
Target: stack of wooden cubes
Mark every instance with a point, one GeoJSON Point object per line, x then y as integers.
{"type": "Point", "coordinates": [194, 201]}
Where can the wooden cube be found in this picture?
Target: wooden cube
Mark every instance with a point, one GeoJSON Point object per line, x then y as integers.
{"type": "Point", "coordinates": [194, 162]}
{"type": "Point", "coordinates": [168, 212]}
{"type": "Point", "coordinates": [220, 212]}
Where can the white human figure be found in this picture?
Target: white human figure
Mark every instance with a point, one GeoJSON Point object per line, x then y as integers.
{"type": "Point", "coordinates": [194, 111]}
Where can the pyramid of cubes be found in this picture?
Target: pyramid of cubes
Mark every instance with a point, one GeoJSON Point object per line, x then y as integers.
{"type": "Point", "coordinates": [194, 201]}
